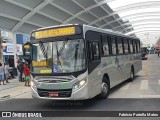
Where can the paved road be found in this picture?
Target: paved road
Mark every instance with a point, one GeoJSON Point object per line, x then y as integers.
{"type": "Point", "coordinates": [87, 105]}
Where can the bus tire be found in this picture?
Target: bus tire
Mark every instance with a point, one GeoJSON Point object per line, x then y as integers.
{"type": "Point", "coordinates": [105, 88]}
{"type": "Point", "coordinates": [131, 75]}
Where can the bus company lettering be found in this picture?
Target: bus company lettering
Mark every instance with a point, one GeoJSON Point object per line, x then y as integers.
{"type": "Point", "coordinates": [55, 32]}
{"type": "Point", "coordinates": [22, 115]}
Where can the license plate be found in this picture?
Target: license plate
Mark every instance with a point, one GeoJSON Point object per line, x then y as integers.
{"type": "Point", "coordinates": [53, 94]}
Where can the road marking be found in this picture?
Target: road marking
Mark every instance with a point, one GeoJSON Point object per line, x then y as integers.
{"type": "Point", "coordinates": [149, 96]}
{"type": "Point", "coordinates": [125, 87]}
{"type": "Point", "coordinates": [144, 85]}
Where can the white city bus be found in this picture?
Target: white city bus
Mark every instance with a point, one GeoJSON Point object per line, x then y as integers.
{"type": "Point", "coordinates": [74, 62]}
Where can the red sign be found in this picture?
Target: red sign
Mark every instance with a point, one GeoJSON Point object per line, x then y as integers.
{"type": "Point", "coordinates": [53, 94]}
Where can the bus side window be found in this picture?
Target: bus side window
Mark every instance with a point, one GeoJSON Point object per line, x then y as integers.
{"type": "Point", "coordinates": [120, 46]}
{"type": "Point", "coordinates": [114, 47]}
{"type": "Point", "coordinates": [126, 46]}
{"type": "Point", "coordinates": [134, 46]}
{"type": "Point", "coordinates": [105, 48]}
{"type": "Point", "coordinates": [95, 50]}
{"type": "Point", "coordinates": [137, 46]}
{"type": "Point", "coordinates": [131, 46]}
{"type": "Point", "coordinates": [90, 56]}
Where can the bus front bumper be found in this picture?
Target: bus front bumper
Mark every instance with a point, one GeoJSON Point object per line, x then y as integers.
{"type": "Point", "coordinates": [80, 94]}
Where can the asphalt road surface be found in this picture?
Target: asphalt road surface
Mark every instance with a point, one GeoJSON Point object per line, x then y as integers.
{"type": "Point", "coordinates": [87, 105]}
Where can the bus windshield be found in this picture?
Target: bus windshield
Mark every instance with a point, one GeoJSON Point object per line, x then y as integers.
{"type": "Point", "coordinates": [58, 57]}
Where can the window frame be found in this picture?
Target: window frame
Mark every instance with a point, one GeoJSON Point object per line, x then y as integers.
{"type": "Point", "coordinates": [104, 37]}
{"type": "Point", "coordinates": [136, 41]}
{"type": "Point", "coordinates": [119, 38]}
{"type": "Point", "coordinates": [127, 41]}
{"type": "Point", "coordinates": [131, 44]}
{"type": "Point", "coordinates": [115, 38]}
{"type": "Point", "coordinates": [134, 46]}
{"type": "Point", "coordinates": [138, 46]}
{"type": "Point", "coordinates": [91, 51]}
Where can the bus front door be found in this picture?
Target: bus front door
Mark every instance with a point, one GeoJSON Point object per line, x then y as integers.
{"type": "Point", "coordinates": [94, 68]}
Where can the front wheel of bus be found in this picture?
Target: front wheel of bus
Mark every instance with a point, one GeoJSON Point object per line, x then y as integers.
{"type": "Point", "coordinates": [105, 88]}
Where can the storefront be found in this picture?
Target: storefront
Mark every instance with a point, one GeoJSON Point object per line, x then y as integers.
{"type": "Point", "coordinates": [8, 53]}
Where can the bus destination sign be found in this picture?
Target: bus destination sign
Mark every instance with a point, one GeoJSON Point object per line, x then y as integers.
{"type": "Point", "coordinates": [55, 32]}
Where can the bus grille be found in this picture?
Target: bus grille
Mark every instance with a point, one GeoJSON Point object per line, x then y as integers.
{"type": "Point", "coordinates": [61, 93]}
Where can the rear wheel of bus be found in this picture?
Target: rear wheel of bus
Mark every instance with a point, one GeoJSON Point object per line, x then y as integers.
{"type": "Point", "coordinates": [131, 75]}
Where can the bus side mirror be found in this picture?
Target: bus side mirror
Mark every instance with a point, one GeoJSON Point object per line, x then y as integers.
{"type": "Point", "coordinates": [27, 52]}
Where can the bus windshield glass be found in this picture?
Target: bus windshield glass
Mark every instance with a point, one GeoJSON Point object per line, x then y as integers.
{"type": "Point", "coordinates": [58, 57]}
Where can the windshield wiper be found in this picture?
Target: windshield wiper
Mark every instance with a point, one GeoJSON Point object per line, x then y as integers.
{"type": "Point", "coordinates": [58, 61]}
{"type": "Point", "coordinates": [44, 51]}
{"type": "Point", "coordinates": [76, 55]}
{"type": "Point", "coordinates": [47, 54]}
{"type": "Point", "coordinates": [63, 46]}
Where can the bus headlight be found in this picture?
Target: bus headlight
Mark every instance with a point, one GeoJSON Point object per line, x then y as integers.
{"type": "Point", "coordinates": [33, 86]}
{"type": "Point", "coordinates": [79, 84]}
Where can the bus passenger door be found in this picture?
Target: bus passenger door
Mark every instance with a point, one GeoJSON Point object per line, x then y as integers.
{"type": "Point", "coordinates": [94, 68]}
{"type": "Point", "coordinates": [27, 52]}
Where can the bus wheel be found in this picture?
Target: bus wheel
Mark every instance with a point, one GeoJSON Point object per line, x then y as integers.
{"type": "Point", "coordinates": [131, 75]}
{"type": "Point", "coordinates": [105, 88]}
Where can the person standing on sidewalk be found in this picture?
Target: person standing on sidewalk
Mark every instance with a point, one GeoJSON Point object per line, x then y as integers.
{"type": "Point", "coordinates": [1, 74]}
{"type": "Point", "coordinates": [27, 74]}
{"type": "Point", "coordinates": [6, 72]}
{"type": "Point", "coordinates": [20, 70]}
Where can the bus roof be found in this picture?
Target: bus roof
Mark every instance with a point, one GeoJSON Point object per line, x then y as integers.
{"type": "Point", "coordinates": [109, 31]}
{"type": "Point", "coordinates": [88, 27]}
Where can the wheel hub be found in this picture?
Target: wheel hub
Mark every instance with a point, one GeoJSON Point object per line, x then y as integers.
{"type": "Point", "coordinates": [104, 88]}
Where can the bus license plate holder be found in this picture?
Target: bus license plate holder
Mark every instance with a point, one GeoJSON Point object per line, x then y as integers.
{"type": "Point", "coordinates": [53, 94]}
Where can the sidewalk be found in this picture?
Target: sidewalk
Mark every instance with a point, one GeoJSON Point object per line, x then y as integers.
{"type": "Point", "coordinates": [14, 89]}
{"type": "Point", "coordinates": [13, 83]}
